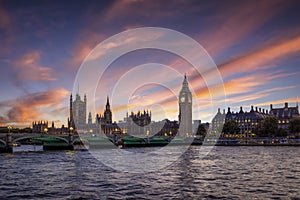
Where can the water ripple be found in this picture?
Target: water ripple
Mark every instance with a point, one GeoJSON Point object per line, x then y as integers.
{"type": "Point", "coordinates": [226, 173]}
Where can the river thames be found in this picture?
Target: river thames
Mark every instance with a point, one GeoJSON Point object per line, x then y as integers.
{"type": "Point", "coordinates": [225, 173]}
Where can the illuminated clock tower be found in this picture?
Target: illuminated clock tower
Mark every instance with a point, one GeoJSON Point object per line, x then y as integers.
{"type": "Point", "coordinates": [185, 110]}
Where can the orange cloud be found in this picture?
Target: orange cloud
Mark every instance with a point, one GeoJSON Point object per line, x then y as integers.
{"type": "Point", "coordinates": [280, 101]}
{"type": "Point", "coordinates": [31, 107]}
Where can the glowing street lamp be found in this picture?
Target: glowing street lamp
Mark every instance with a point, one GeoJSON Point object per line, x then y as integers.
{"type": "Point", "coordinates": [9, 136]}
{"type": "Point", "coordinates": [71, 129]}
{"type": "Point", "coordinates": [9, 128]}
{"type": "Point", "coordinates": [45, 130]}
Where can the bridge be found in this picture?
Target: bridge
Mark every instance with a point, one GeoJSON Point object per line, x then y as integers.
{"type": "Point", "coordinates": [50, 141]}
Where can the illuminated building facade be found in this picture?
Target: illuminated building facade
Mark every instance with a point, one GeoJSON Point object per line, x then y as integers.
{"type": "Point", "coordinates": [248, 122]}
{"type": "Point", "coordinates": [284, 115]}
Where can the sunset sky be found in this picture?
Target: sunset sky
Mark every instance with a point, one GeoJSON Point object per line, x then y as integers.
{"type": "Point", "coordinates": [255, 45]}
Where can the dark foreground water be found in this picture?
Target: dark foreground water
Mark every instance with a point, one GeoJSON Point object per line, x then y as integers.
{"type": "Point", "coordinates": [227, 172]}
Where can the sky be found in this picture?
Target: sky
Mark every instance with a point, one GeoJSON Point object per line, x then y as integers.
{"type": "Point", "coordinates": [255, 46]}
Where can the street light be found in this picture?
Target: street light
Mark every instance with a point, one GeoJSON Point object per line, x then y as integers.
{"type": "Point", "coordinates": [71, 129]}
{"type": "Point", "coordinates": [9, 136]}
{"type": "Point", "coordinates": [45, 130]}
{"type": "Point", "coordinates": [9, 127]}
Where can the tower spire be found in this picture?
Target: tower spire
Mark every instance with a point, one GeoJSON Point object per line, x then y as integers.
{"type": "Point", "coordinates": [107, 112]}
{"type": "Point", "coordinates": [185, 85]}
{"type": "Point", "coordinates": [78, 89]}
{"type": "Point", "coordinates": [107, 101]}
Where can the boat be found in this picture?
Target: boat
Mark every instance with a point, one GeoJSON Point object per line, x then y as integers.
{"type": "Point", "coordinates": [16, 144]}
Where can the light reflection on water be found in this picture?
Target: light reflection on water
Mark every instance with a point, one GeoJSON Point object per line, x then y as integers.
{"type": "Point", "coordinates": [227, 172]}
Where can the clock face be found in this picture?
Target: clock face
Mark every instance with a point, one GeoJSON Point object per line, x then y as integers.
{"type": "Point", "coordinates": [182, 99]}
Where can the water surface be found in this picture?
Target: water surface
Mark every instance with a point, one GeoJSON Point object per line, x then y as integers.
{"type": "Point", "coordinates": [226, 173]}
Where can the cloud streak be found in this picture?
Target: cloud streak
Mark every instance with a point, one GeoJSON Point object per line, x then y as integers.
{"type": "Point", "coordinates": [245, 18]}
{"type": "Point", "coordinates": [263, 59]}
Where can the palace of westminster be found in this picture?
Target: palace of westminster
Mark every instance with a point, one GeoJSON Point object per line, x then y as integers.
{"type": "Point", "coordinates": [140, 123]}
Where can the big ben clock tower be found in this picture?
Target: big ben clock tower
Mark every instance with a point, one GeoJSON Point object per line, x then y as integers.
{"type": "Point", "coordinates": [185, 110]}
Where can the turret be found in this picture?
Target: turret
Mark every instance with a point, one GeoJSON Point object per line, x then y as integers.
{"type": "Point", "coordinates": [71, 108]}
{"type": "Point", "coordinates": [241, 110]}
{"type": "Point", "coordinates": [228, 111]}
{"type": "Point", "coordinates": [90, 118]}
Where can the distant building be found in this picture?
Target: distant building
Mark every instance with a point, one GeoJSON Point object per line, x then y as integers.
{"type": "Point", "coordinates": [77, 118]}
{"type": "Point", "coordinates": [40, 127]}
{"type": "Point", "coordinates": [284, 115]}
{"type": "Point", "coordinates": [248, 122]}
{"type": "Point", "coordinates": [104, 122]}
{"type": "Point", "coordinates": [195, 126]}
{"type": "Point", "coordinates": [43, 127]}
{"type": "Point", "coordinates": [170, 128]}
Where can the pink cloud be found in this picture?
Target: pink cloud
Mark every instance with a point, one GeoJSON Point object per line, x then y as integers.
{"type": "Point", "coordinates": [87, 41]}
{"type": "Point", "coordinates": [28, 68]}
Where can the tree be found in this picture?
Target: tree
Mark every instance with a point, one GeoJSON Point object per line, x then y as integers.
{"type": "Point", "coordinates": [26, 130]}
{"type": "Point", "coordinates": [269, 127]}
{"type": "Point", "coordinates": [231, 127]}
{"type": "Point", "coordinates": [294, 125]}
{"type": "Point", "coordinates": [201, 130]}
{"type": "Point", "coordinates": [281, 133]}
